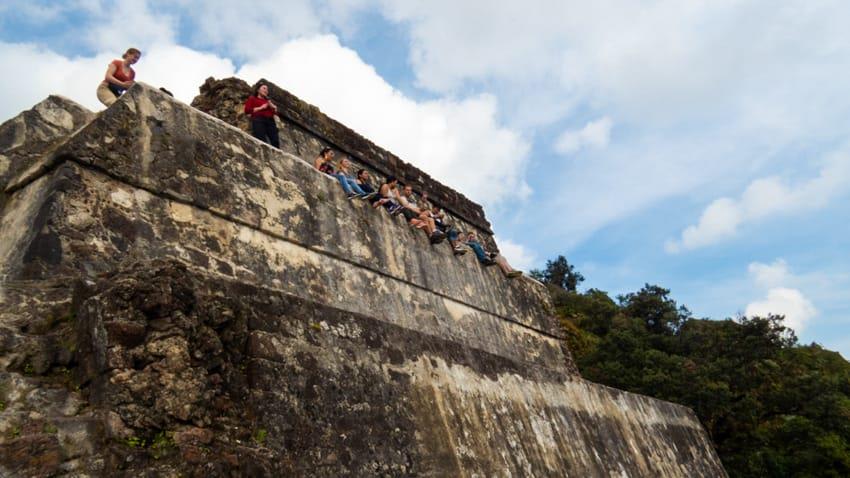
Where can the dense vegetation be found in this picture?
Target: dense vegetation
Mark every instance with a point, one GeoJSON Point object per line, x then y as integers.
{"type": "Point", "coordinates": [772, 407]}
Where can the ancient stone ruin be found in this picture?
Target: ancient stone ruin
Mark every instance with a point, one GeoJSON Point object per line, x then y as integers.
{"type": "Point", "coordinates": [180, 299]}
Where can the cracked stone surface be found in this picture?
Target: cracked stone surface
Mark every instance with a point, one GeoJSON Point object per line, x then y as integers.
{"type": "Point", "coordinates": [179, 299]}
{"type": "Point", "coordinates": [305, 131]}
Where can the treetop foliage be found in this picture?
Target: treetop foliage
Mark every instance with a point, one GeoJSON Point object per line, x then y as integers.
{"type": "Point", "coordinates": [559, 273]}
{"type": "Point", "coordinates": [772, 406]}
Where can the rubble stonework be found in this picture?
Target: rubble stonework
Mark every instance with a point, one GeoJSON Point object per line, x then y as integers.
{"type": "Point", "coordinates": [180, 299]}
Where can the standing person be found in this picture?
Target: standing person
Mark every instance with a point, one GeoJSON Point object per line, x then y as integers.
{"type": "Point", "coordinates": [120, 76]}
{"type": "Point", "coordinates": [262, 112]}
{"type": "Point", "coordinates": [491, 258]}
{"type": "Point", "coordinates": [323, 161]}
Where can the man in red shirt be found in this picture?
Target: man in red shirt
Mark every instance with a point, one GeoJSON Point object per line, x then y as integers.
{"type": "Point", "coordinates": [262, 112]}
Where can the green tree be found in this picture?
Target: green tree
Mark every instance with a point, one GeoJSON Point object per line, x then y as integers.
{"type": "Point", "coordinates": [654, 306]}
{"type": "Point", "coordinates": [559, 273]}
{"type": "Point", "coordinates": [772, 407]}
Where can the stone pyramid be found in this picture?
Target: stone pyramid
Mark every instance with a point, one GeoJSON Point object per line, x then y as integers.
{"type": "Point", "coordinates": [180, 299]}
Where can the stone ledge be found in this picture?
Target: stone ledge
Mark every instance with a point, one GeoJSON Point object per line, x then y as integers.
{"type": "Point", "coordinates": [166, 149]}
{"type": "Point", "coordinates": [224, 99]}
{"type": "Point", "coordinates": [96, 223]}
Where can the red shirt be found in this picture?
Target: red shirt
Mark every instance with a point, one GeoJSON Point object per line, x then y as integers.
{"type": "Point", "coordinates": [254, 102]}
{"type": "Point", "coordinates": [120, 73]}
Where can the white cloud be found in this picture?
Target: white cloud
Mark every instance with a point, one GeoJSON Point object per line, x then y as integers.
{"type": "Point", "coordinates": [179, 69]}
{"type": "Point", "coordinates": [791, 303]}
{"type": "Point", "coordinates": [770, 275]}
{"type": "Point", "coordinates": [32, 12]}
{"type": "Point", "coordinates": [519, 256]}
{"type": "Point", "coordinates": [693, 114]}
{"type": "Point", "coordinates": [764, 198]}
{"type": "Point", "coordinates": [594, 134]}
{"type": "Point", "coordinates": [452, 41]}
{"type": "Point", "coordinates": [250, 29]}
{"type": "Point", "coordinates": [46, 73]}
{"type": "Point", "coordinates": [458, 141]}
{"type": "Point", "coordinates": [780, 298]}
{"type": "Point", "coordinates": [122, 24]}
{"type": "Point", "coordinates": [655, 57]}
{"type": "Point", "coordinates": [719, 220]}
{"type": "Point", "coordinates": [704, 93]}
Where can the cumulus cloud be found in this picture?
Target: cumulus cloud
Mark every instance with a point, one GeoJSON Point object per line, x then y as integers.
{"type": "Point", "coordinates": [179, 69]}
{"type": "Point", "coordinates": [684, 100]}
{"type": "Point", "coordinates": [182, 70]}
{"type": "Point", "coordinates": [770, 275]}
{"type": "Point", "coordinates": [594, 134]}
{"type": "Point", "coordinates": [250, 29]}
{"type": "Point", "coordinates": [31, 12]}
{"type": "Point", "coordinates": [765, 198]}
{"type": "Point", "coordinates": [519, 256]}
{"type": "Point", "coordinates": [780, 299]}
{"type": "Point", "coordinates": [458, 141]}
{"type": "Point", "coordinates": [791, 303]}
{"type": "Point", "coordinates": [128, 24]}
{"type": "Point", "coordinates": [709, 90]}
{"type": "Point", "coordinates": [656, 57]}
{"type": "Point", "coordinates": [47, 72]}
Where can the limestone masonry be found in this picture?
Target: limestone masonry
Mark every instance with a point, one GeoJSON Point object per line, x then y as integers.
{"type": "Point", "coordinates": [180, 299]}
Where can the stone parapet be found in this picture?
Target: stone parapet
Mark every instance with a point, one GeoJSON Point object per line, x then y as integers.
{"type": "Point", "coordinates": [152, 177]}
{"type": "Point", "coordinates": [305, 130]}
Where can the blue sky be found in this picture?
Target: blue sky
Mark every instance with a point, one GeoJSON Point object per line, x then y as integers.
{"type": "Point", "coordinates": [701, 146]}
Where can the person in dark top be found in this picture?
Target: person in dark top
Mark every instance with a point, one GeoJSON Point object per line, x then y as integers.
{"type": "Point", "coordinates": [451, 232]}
{"type": "Point", "coordinates": [323, 161]}
{"type": "Point", "coordinates": [262, 112]}
{"type": "Point", "coordinates": [363, 181]}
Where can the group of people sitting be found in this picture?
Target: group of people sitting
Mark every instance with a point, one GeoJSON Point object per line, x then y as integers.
{"type": "Point", "coordinates": [398, 199]}
{"type": "Point", "coordinates": [393, 196]}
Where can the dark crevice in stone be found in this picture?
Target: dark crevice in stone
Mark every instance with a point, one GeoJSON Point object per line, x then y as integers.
{"type": "Point", "coordinates": [175, 198]}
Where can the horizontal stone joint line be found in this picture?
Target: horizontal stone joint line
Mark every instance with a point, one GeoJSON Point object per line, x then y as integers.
{"type": "Point", "coordinates": [53, 164]}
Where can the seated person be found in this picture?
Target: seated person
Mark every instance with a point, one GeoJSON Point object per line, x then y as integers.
{"type": "Point", "coordinates": [323, 161]}
{"type": "Point", "coordinates": [424, 203]}
{"type": "Point", "coordinates": [417, 217]}
{"type": "Point", "coordinates": [449, 230]}
{"type": "Point", "coordinates": [491, 258]}
{"type": "Point", "coordinates": [119, 76]}
{"type": "Point", "coordinates": [349, 185]}
{"type": "Point", "coordinates": [388, 196]}
{"type": "Point", "coordinates": [363, 181]}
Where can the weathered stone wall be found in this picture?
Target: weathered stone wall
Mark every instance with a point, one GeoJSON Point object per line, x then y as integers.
{"type": "Point", "coordinates": [178, 297]}
{"type": "Point", "coordinates": [26, 138]}
{"type": "Point", "coordinates": [305, 130]}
